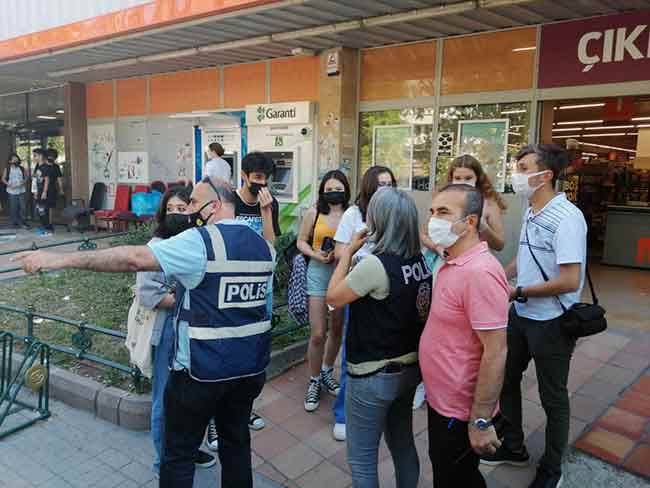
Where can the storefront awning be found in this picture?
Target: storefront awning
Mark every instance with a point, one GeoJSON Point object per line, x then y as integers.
{"type": "Point", "coordinates": [280, 28]}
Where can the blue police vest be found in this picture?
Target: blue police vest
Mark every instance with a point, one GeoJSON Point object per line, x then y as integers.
{"type": "Point", "coordinates": [228, 322]}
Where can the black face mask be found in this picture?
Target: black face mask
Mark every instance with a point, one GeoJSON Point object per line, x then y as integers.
{"type": "Point", "coordinates": [196, 219]}
{"type": "Point", "coordinates": [177, 223]}
{"type": "Point", "coordinates": [334, 197]}
{"type": "Point", "coordinates": [255, 188]}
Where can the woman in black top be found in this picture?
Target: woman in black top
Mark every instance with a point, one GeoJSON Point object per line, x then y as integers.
{"type": "Point", "coordinates": [389, 292]}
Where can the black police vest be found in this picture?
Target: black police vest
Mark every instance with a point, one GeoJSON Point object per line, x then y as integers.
{"type": "Point", "coordinates": [390, 328]}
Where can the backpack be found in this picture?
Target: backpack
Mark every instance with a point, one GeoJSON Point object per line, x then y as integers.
{"type": "Point", "coordinates": [297, 299]}
{"type": "Point", "coordinates": [8, 169]}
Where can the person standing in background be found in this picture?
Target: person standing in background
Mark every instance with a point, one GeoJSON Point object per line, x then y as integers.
{"type": "Point", "coordinates": [316, 231]}
{"type": "Point", "coordinates": [352, 222]}
{"type": "Point", "coordinates": [216, 166]}
{"type": "Point", "coordinates": [14, 178]}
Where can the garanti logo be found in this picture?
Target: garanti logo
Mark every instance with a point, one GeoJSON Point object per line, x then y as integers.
{"type": "Point", "coordinates": [261, 114]}
{"type": "Point", "coordinates": [613, 45]}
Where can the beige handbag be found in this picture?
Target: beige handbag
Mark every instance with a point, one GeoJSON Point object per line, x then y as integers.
{"type": "Point", "coordinates": [138, 339]}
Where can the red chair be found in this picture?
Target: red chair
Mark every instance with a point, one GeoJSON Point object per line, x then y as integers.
{"type": "Point", "coordinates": [141, 189]}
{"type": "Point", "coordinates": [122, 205]}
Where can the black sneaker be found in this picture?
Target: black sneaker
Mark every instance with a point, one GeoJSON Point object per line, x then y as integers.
{"type": "Point", "coordinates": [544, 479]}
{"type": "Point", "coordinates": [213, 439]}
{"type": "Point", "coordinates": [504, 455]}
{"type": "Point", "coordinates": [204, 460]}
{"type": "Point", "coordinates": [329, 383]}
{"type": "Point", "coordinates": [312, 400]}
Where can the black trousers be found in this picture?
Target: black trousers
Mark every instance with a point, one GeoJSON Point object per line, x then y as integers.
{"type": "Point", "coordinates": [189, 405]}
{"type": "Point", "coordinates": [454, 462]}
{"type": "Point", "coordinates": [545, 343]}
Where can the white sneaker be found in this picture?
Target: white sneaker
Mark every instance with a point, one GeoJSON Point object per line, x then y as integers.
{"type": "Point", "coordinates": [339, 432]}
{"type": "Point", "coordinates": [419, 397]}
{"type": "Point", "coordinates": [213, 439]}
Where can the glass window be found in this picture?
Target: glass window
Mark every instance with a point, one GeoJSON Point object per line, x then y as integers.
{"type": "Point", "coordinates": [400, 140]}
{"type": "Point", "coordinates": [492, 133]}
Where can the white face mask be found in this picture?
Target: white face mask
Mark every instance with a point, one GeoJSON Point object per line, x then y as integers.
{"type": "Point", "coordinates": [465, 182]}
{"type": "Point", "coordinates": [521, 186]}
{"type": "Point", "coordinates": [441, 234]}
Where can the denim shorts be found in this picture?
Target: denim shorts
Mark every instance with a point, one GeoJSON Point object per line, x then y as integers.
{"type": "Point", "coordinates": [318, 278]}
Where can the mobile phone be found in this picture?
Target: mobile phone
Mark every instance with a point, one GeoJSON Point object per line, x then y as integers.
{"type": "Point", "coordinates": [327, 245]}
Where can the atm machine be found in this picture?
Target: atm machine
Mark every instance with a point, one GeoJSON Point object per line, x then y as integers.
{"type": "Point", "coordinates": [285, 132]}
{"type": "Point", "coordinates": [225, 129]}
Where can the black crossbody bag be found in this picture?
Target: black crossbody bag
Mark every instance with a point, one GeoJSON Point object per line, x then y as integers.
{"type": "Point", "coordinates": [581, 319]}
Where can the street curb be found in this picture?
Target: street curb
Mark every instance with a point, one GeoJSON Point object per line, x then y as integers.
{"type": "Point", "coordinates": [131, 410]}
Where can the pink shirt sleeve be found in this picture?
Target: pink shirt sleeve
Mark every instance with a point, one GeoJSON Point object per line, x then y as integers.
{"type": "Point", "coordinates": [486, 299]}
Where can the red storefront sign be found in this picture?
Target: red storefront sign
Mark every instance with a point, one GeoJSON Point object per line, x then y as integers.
{"type": "Point", "coordinates": [609, 49]}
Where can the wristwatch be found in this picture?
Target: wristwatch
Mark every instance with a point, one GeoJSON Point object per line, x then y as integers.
{"type": "Point", "coordinates": [482, 424]}
{"type": "Point", "coordinates": [519, 295]}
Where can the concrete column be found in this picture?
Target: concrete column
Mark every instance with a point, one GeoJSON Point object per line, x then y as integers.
{"type": "Point", "coordinates": [337, 114]}
{"type": "Point", "coordinates": [76, 143]}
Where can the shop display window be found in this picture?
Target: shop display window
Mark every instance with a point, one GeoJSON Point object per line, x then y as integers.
{"type": "Point", "coordinates": [401, 140]}
{"type": "Point", "coordinates": [493, 133]}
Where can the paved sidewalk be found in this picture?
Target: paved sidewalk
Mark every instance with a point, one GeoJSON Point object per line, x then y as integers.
{"type": "Point", "coordinates": [73, 449]}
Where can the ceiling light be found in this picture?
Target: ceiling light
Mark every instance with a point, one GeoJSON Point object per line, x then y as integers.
{"type": "Point", "coordinates": [593, 155]}
{"type": "Point", "coordinates": [584, 105]}
{"type": "Point", "coordinates": [508, 112]}
{"type": "Point", "coordinates": [223, 46]}
{"type": "Point", "coordinates": [46, 117]}
{"type": "Point", "coordinates": [611, 134]}
{"type": "Point", "coordinates": [606, 127]}
{"type": "Point", "coordinates": [169, 55]}
{"type": "Point", "coordinates": [301, 51]}
{"type": "Point", "coordinates": [581, 122]}
{"type": "Point", "coordinates": [632, 134]}
{"type": "Point", "coordinates": [515, 133]}
{"type": "Point", "coordinates": [566, 137]}
{"type": "Point", "coordinates": [567, 129]}
{"type": "Point", "coordinates": [60, 111]}
{"type": "Point", "coordinates": [607, 147]}
{"type": "Point", "coordinates": [642, 126]}
{"type": "Point", "coordinates": [641, 118]}
{"type": "Point", "coordinates": [520, 49]}
{"type": "Point", "coordinates": [516, 126]}
{"type": "Point", "coordinates": [68, 72]}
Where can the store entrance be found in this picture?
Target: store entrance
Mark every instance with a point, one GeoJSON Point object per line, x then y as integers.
{"type": "Point", "coordinates": [609, 145]}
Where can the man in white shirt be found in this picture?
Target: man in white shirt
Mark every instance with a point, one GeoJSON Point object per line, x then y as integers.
{"type": "Point", "coordinates": [14, 179]}
{"type": "Point", "coordinates": [217, 167]}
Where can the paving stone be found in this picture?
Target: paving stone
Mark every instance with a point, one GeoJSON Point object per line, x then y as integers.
{"type": "Point", "coordinates": [616, 375]}
{"type": "Point", "coordinates": [642, 385]}
{"type": "Point", "coordinates": [639, 461]}
{"type": "Point", "coordinates": [635, 402]}
{"type": "Point", "coordinates": [325, 475]}
{"type": "Point", "coordinates": [323, 443]}
{"type": "Point", "coordinates": [271, 442]}
{"type": "Point", "coordinates": [601, 390]}
{"type": "Point", "coordinates": [630, 361]}
{"type": "Point", "coordinates": [138, 472]}
{"type": "Point", "coordinates": [622, 422]}
{"type": "Point", "coordinates": [605, 445]}
{"type": "Point", "coordinates": [296, 461]}
{"type": "Point", "coordinates": [115, 458]}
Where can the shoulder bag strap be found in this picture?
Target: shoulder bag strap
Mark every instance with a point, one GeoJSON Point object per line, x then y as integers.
{"type": "Point", "coordinates": [313, 228]}
{"type": "Point", "coordinates": [594, 298]}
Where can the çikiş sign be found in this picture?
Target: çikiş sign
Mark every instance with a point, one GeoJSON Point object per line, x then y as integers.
{"type": "Point", "coordinates": [610, 49]}
{"type": "Point", "coordinates": [279, 113]}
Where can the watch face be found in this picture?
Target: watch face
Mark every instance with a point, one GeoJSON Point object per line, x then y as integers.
{"type": "Point", "coordinates": [481, 424]}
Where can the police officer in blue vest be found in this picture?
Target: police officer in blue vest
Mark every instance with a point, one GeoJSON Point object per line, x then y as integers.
{"type": "Point", "coordinates": [223, 339]}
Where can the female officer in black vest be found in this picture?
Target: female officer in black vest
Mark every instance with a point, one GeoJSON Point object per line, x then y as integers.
{"type": "Point", "coordinates": [389, 292]}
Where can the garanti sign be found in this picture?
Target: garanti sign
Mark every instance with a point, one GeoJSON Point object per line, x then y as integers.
{"type": "Point", "coordinates": [279, 113]}
{"type": "Point", "coordinates": [609, 49]}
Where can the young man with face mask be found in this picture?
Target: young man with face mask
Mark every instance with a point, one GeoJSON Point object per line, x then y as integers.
{"type": "Point", "coordinates": [555, 233]}
{"type": "Point", "coordinates": [222, 342]}
{"type": "Point", "coordinates": [462, 350]}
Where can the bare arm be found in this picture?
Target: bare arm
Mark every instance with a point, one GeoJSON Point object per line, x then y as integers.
{"type": "Point", "coordinates": [304, 233]}
{"type": "Point", "coordinates": [168, 302]}
{"type": "Point", "coordinates": [339, 293]}
{"type": "Point", "coordinates": [59, 182]}
{"type": "Point", "coordinates": [493, 231]}
{"type": "Point", "coordinates": [490, 376]}
{"type": "Point", "coordinates": [266, 209]}
{"type": "Point", "coordinates": [46, 184]}
{"type": "Point", "coordinates": [511, 269]}
{"type": "Point", "coordinates": [567, 281]}
{"type": "Point", "coordinates": [117, 260]}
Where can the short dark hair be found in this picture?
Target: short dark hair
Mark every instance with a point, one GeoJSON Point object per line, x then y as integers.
{"type": "Point", "coordinates": [321, 204]}
{"type": "Point", "coordinates": [38, 150]}
{"type": "Point", "coordinates": [549, 156]}
{"type": "Point", "coordinates": [473, 199]}
{"type": "Point", "coordinates": [51, 154]}
{"type": "Point", "coordinates": [257, 162]}
{"type": "Point", "coordinates": [222, 189]}
{"type": "Point", "coordinates": [216, 148]}
{"type": "Point", "coordinates": [181, 192]}
{"type": "Point", "coordinates": [369, 185]}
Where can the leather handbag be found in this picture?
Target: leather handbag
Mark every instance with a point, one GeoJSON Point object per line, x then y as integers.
{"type": "Point", "coordinates": [581, 319]}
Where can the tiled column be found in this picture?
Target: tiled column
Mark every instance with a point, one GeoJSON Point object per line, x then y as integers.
{"type": "Point", "coordinates": [76, 143]}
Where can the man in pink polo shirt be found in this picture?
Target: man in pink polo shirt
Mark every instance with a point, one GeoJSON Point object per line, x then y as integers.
{"type": "Point", "coordinates": [463, 348]}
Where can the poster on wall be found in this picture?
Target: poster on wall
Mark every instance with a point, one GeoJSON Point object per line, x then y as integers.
{"type": "Point", "coordinates": [393, 147]}
{"type": "Point", "coordinates": [133, 167]}
{"type": "Point", "coordinates": [102, 159]}
{"type": "Point", "coordinates": [487, 141]}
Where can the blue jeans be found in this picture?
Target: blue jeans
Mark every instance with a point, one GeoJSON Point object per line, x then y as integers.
{"type": "Point", "coordinates": [382, 404]}
{"type": "Point", "coordinates": [339, 404]}
{"type": "Point", "coordinates": [162, 354]}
